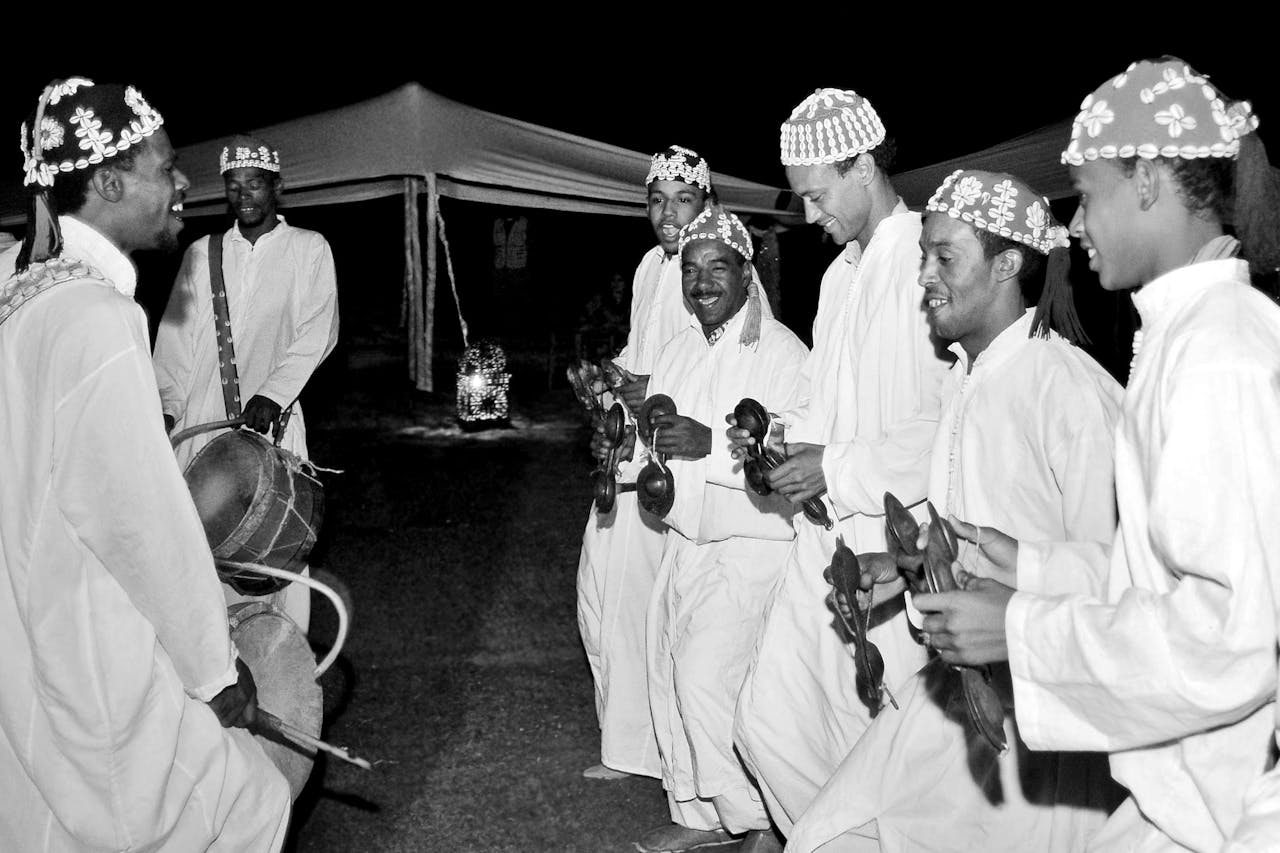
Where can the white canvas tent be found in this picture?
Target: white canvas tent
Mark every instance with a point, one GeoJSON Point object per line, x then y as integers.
{"type": "Point", "coordinates": [413, 142]}
{"type": "Point", "coordinates": [1034, 157]}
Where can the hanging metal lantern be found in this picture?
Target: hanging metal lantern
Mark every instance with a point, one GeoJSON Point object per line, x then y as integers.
{"type": "Point", "coordinates": [483, 381]}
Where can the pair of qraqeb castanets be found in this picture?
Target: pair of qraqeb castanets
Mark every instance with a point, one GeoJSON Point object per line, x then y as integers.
{"type": "Point", "coordinates": [846, 576]}
{"type": "Point", "coordinates": [604, 480]}
{"type": "Point", "coordinates": [655, 484]}
{"type": "Point", "coordinates": [982, 703]}
{"type": "Point", "coordinates": [754, 418]}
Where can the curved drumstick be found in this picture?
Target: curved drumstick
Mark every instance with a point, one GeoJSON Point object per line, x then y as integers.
{"type": "Point", "coordinates": [270, 722]}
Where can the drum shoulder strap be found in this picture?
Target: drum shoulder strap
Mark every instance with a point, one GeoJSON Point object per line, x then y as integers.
{"type": "Point", "coordinates": [222, 330]}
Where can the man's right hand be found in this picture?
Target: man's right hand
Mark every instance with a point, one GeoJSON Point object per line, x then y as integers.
{"type": "Point", "coordinates": [633, 392]}
{"type": "Point", "coordinates": [237, 704]}
{"type": "Point", "coordinates": [742, 441]}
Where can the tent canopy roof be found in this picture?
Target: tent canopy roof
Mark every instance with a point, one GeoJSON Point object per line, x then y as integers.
{"type": "Point", "coordinates": [365, 150]}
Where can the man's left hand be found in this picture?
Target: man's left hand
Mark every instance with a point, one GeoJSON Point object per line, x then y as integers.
{"type": "Point", "coordinates": [260, 413]}
{"type": "Point", "coordinates": [676, 435]}
{"type": "Point", "coordinates": [800, 477]}
{"type": "Point", "coordinates": [967, 626]}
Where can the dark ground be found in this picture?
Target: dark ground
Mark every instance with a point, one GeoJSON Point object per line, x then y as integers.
{"type": "Point", "coordinates": [463, 679]}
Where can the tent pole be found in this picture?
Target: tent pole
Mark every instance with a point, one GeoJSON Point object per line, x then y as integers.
{"type": "Point", "coordinates": [427, 352]}
{"type": "Point", "coordinates": [411, 304]}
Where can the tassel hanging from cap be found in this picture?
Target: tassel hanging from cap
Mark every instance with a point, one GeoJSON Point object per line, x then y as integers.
{"type": "Point", "coordinates": [751, 326]}
{"type": "Point", "coordinates": [1056, 309]}
{"type": "Point", "coordinates": [43, 239]}
{"type": "Point", "coordinates": [1256, 212]}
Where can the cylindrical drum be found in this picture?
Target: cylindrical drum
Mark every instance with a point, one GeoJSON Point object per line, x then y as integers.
{"type": "Point", "coordinates": [283, 668]}
{"type": "Point", "coordinates": [257, 505]}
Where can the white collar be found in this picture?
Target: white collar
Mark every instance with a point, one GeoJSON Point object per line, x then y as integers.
{"type": "Point", "coordinates": [236, 234]}
{"type": "Point", "coordinates": [853, 251]}
{"type": "Point", "coordinates": [82, 241]}
{"type": "Point", "coordinates": [1169, 292]}
{"type": "Point", "coordinates": [1002, 346]}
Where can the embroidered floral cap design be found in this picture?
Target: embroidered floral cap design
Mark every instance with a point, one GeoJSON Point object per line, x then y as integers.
{"type": "Point", "coordinates": [828, 126]}
{"type": "Point", "coordinates": [78, 124]}
{"type": "Point", "coordinates": [716, 223]}
{"type": "Point", "coordinates": [1158, 108]}
{"type": "Point", "coordinates": [248, 152]}
{"type": "Point", "coordinates": [1001, 204]}
{"type": "Point", "coordinates": [679, 164]}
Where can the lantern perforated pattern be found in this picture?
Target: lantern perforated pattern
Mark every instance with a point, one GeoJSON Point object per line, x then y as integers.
{"type": "Point", "coordinates": [483, 381]}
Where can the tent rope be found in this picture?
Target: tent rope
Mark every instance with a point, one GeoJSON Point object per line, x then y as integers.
{"type": "Point", "coordinates": [448, 264]}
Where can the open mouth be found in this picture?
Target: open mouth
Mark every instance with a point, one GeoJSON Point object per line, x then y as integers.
{"type": "Point", "coordinates": [670, 232]}
{"type": "Point", "coordinates": [934, 302]}
{"type": "Point", "coordinates": [175, 210]}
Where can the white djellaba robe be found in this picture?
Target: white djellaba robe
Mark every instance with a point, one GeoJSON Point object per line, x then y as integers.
{"type": "Point", "coordinates": [1024, 445]}
{"type": "Point", "coordinates": [1173, 670]}
{"type": "Point", "coordinates": [282, 297]}
{"type": "Point", "coordinates": [723, 554]}
{"type": "Point", "coordinates": [112, 622]}
{"type": "Point", "coordinates": [874, 381]}
{"type": "Point", "coordinates": [621, 550]}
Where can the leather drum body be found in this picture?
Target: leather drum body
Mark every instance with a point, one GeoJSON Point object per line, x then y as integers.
{"type": "Point", "coordinates": [283, 667]}
{"type": "Point", "coordinates": [257, 505]}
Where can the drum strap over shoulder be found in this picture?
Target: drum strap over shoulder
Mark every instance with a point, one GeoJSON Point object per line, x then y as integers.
{"type": "Point", "coordinates": [222, 330]}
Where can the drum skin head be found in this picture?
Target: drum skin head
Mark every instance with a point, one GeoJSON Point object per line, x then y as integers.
{"type": "Point", "coordinates": [283, 666]}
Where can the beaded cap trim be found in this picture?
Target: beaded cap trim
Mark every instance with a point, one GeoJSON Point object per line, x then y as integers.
{"type": "Point", "coordinates": [1001, 204]}
{"type": "Point", "coordinates": [248, 152]}
{"type": "Point", "coordinates": [78, 125]}
{"type": "Point", "coordinates": [716, 223]}
{"type": "Point", "coordinates": [828, 126]}
{"type": "Point", "coordinates": [1158, 109]}
{"type": "Point", "coordinates": [679, 164]}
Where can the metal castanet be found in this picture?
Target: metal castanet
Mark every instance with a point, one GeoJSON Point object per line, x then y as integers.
{"type": "Point", "coordinates": [981, 702]}
{"type": "Point", "coordinates": [655, 484]}
{"type": "Point", "coordinates": [902, 535]}
{"type": "Point", "coordinates": [846, 576]}
{"type": "Point", "coordinates": [754, 418]}
{"type": "Point", "coordinates": [604, 480]}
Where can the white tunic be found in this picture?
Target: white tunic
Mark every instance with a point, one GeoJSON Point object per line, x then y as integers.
{"type": "Point", "coordinates": [112, 622]}
{"type": "Point", "coordinates": [1024, 445]}
{"type": "Point", "coordinates": [1174, 671]}
{"type": "Point", "coordinates": [873, 386]}
{"type": "Point", "coordinates": [723, 555]}
{"type": "Point", "coordinates": [621, 551]}
{"type": "Point", "coordinates": [283, 300]}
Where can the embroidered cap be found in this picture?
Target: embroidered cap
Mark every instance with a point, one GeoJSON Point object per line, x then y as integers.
{"type": "Point", "coordinates": [716, 223]}
{"type": "Point", "coordinates": [830, 125]}
{"type": "Point", "coordinates": [1158, 108]}
{"type": "Point", "coordinates": [78, 124]}
{"type": "Point", "coordinates": [248, 152]}
{"type": "Point", "coordinates": [1001, 204]}
{"type": "Point", "coordinates": [679, 164]}
{"type": "Point", "coordinates": [1006, 206]}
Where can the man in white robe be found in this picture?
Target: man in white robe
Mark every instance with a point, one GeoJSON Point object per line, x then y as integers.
{"type": "Point", "coordinates": [1173, 670]}
{"type": "Point", "coordinates": [725, 546]}
{"type": "Point", "coordinates": [282, 300]}
{"type": "Point", "coordinates": [118, 668]}
{"type": "Point", "coordinates": [1024, 444]}
{"type": "Point", "coordinates": [621, 549]}
{"type": "Point", "coordinates": [870, 403]}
